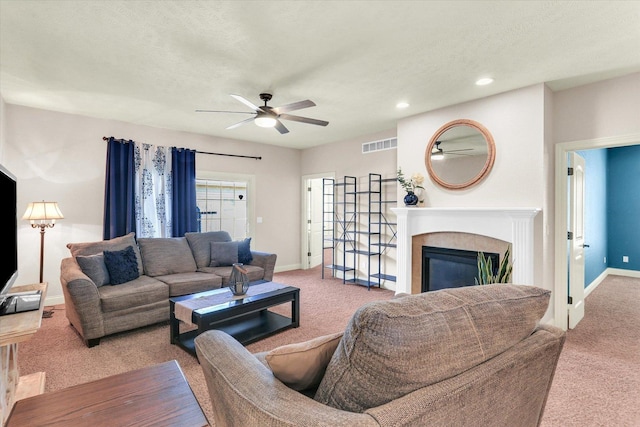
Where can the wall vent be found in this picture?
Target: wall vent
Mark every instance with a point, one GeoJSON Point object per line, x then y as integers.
{"type": "Point", "coordinates": [383, 144]}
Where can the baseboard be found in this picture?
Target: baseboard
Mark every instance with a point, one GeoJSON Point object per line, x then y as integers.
{"type": "Point", "coordinates": [609, 271]}
{"type": "Point", "coordinates": [623, 272]}
{"type": "Point", "coordinates": [282, 268]}
{"type": "Point", "coordinates": [54, 300]}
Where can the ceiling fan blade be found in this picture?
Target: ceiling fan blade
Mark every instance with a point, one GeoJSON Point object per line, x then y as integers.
{"type": "Point", "coordinates": [461, 149]}
{"type": "Point", "coordinates": [303, 119]}
{"type": "Point", "coordinates": [294, 106]}
{"type": "Point", "coordinates": [223, 111]}
{"type": "Point", "coordinates": [247, 102]}
{"type": "Point", "coordinates": [245, 121]}
{"type": "Point", "coordinates": [280, 127]}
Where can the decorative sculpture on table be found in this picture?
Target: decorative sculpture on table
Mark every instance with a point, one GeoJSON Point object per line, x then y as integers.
{"type": "Point", "coordinates": [238, 280]}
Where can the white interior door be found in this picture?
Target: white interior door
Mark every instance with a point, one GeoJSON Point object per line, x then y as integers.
{"type": "Point", "coordinates": [315, 223]}
{"type": "Point", "coordinates": [576, 244]}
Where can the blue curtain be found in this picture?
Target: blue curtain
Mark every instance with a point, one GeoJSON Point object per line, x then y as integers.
{"type": "Point", "coordinates": [183, 205]}
{"type": "Point", "coordinates": [119, 193]}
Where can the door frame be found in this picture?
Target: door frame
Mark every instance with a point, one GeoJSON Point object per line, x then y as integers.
{"type": "Point", "coordinates": [305, 208]}
{"type": "Point", "coordinates": [560, 292]}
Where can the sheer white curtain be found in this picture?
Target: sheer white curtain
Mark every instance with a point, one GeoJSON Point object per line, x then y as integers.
{"type": "Point", "coordinates": [153, 190]}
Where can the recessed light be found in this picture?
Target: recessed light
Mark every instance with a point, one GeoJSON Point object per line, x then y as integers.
{"type": "Point", "coordinates": [484, 81]}
{"type": "Point", "coordinates": [402, 105]}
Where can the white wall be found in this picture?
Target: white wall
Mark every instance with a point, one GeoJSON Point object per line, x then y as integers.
{"type": "Point", "coordinates": [61, 157]}
{"type": "Point", "coordinates": [346, 158]}
{"type": "Point", "coordinates": [516, 120]}
{"type": "Point", "coordinates": [599, 110]}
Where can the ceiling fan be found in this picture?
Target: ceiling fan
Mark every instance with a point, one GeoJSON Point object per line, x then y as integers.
{"type": "Point", "coordinates": [267, 116]}
{"type": "Point", "coordinates": [439, 153]}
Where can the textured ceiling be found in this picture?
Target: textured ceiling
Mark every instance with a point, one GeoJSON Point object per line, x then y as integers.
{"type": "Point", "coordinates": [156, 62]}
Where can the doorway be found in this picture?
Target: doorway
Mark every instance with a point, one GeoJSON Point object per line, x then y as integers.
{"type": "Point", "coordinates": [312, 232]}
{"type": "Point", "coordinates": [560, 291]}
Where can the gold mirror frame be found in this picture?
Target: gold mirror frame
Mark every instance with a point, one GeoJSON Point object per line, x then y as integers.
{"type": "Point", "coordinates": [491, 154]}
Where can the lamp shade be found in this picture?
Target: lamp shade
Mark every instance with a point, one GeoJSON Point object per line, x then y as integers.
{"type": "Point", "coordinates": [43, 211]}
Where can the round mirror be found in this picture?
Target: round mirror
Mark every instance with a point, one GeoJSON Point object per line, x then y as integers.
{"type": "Point", "coordinates": [460, 154]}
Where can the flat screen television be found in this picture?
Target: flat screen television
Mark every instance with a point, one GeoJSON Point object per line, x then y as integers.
{"type": "Point", "coordinates": [19, 301]}
{"type": "Point", "coordinates": [8, 230]}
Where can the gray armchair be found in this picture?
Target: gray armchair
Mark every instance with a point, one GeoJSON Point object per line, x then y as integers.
{"type": "Point", "coordinates": [467, 356]}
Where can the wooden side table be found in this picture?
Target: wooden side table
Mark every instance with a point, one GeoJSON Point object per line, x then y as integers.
{"type": "Point", "coordinates": [157, 395]}
{"type": "Point", "coordinates": [14, 329]}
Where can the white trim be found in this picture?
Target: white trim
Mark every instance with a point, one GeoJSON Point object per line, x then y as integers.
{"type": "Point", "coordinates": [596, 282]}
{"type": "Point", "coordinates": [560, 293]}
{"type": "Point", "coordinates": [513, 225]}
{"type": "Point", "coordinates": [303, 213]}
{"type": "Point", "coordinates": [622, 272]}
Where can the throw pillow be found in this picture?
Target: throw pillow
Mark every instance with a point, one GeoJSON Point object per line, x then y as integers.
{"type": "Point", "coordinates": [200, 244]}
{"type": "Point", "coordinates": [223, 254]}
{"type": "Point", "coordinates": [94, 267]}
{"type": "Point", "coordinates": [392, 348]}
{"type": "Point", "coordinates": [115, 244]}
{"type": "Point", "coordinates": [244, 251]}
{"type": "Point", "coordinates": [122, 265]}
{"type": "Point", "coordinates": [301, 366]}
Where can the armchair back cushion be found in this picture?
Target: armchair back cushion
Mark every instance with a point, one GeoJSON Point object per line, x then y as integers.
{"type": "Point", "coordinates": [166, 255]}
{"type": "Point", "coordinates": [200, 244]}
{"type": "Point", "coordinates": [448, 331]}
{"type": "Point", "coordinates": [115, 244]}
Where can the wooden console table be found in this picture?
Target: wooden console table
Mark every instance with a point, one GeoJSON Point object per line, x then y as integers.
{"type": "Point", "coordinates": [157, 395]}
{"type": "Point", "coordinates": [14, 329]}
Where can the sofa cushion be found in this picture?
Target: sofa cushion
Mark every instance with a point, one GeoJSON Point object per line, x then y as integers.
{"type": "Point", "coordinates": [122, 265]}
{"type": "Point", "coordinates": [223, 254]}
{"type": "Point", "coordinates": [302, 365]}
{"type": "Point", "coordinates": [166, 255]}
{"type": "Point", "coordinates": [190, 283]}
{"type": "Point", "coordinates": [94, 267]}
{"type": "Point", "coordinates": [139, 292]}
{"type": "Point", "coordinates": [391, 348]}
{"type": "Point", "coordinates": [244, 251]}
{"type": "Point", "coordinates": [115, 244]}
{"type": "Point", "coordinates": [200, 244]}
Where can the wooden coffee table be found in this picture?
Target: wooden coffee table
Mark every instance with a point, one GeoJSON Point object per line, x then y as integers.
{"type": "Point", "coordinates": [245, 318]}
{"type": "Point", "coordinates": [158, 395]}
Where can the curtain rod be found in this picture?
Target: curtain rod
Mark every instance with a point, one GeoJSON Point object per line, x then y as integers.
{"type": "Point", "coordinates": [104, 138]}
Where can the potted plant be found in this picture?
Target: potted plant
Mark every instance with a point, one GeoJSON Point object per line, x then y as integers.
{"type": "Point", "coordinates": [410, 186]}
{"type": "Point", "coordinates": [485, 269]}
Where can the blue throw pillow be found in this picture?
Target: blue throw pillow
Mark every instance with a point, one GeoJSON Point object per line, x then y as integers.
{"type": "Point", "coordinates": [244, 251]}
{"type": "Point", "coordinates": [122, 265]}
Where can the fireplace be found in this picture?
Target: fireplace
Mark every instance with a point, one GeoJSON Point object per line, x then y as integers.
{"type": "Point", "coordinates": [511, 225]}
{"type": "Point", "coordinates": [451, 268]}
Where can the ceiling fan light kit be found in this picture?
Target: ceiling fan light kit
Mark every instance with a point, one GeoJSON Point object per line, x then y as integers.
{"type": "Point", "coordinates": [269, 117]}
{"type": "Point", "coordinates": [265, 121]}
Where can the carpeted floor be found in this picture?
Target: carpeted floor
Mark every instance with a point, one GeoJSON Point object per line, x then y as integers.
{"type": "Point", "coordinates": [597, 382]}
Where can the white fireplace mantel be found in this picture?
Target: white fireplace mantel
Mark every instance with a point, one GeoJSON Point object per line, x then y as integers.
{"type": "Point", "coordinates": [514, 225]}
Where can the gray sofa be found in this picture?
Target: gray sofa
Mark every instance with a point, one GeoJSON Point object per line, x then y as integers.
{"type": "Point", "coordinates": [120, 284]}
{"type": "Point", "coordinates": [472, 356]}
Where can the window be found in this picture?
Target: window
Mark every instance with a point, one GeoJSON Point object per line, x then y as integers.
{"type": "Point", "coordinates": [222, 205]}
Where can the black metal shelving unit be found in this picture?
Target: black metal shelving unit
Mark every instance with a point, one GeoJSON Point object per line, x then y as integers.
{"type": "Point", "coordinates": [356, 224]}
{"type": "Point", "coordinates": [339, 226]}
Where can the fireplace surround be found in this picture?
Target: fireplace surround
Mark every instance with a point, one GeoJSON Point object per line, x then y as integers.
{"type": "Point", "coordinates": [511, 225]}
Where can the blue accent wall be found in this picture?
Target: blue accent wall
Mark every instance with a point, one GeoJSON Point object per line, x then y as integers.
{"type": "Point", "coordinates": [612, 209]}
{"type": "Point", "coordinates": [623, 203]}
{"type": "Point", "coordinates": [595, 221]}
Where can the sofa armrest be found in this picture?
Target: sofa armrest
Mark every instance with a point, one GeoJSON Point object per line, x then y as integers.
{"type": "Point", "coordinates": [265, 260]}
{"type": "Point", "coordinates": [82, 300]}
{"type": "Point", "coordinates": [243, 391]}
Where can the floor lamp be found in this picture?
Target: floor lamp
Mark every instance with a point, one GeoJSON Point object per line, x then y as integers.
{"type": "Point", "coordinates": [42, 214]}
